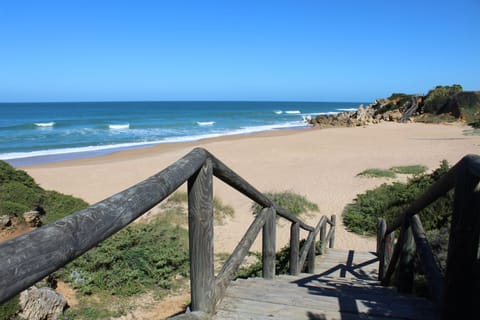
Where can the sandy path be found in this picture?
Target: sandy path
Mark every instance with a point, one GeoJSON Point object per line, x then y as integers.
{"type": "Point", "coordinates": [320, 164]}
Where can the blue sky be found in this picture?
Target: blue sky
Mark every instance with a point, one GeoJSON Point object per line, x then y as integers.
{"type": "Point", "coordinates": [235, 50]}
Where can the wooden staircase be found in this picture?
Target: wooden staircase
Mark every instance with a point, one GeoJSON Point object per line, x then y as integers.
{"type": "Point", "coordinates": [343, 287]}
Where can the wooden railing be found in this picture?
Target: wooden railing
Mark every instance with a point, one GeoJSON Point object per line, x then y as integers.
{"type": "Point", "coordinates": [458, 293]}
{"type": "Point", "coordinates": [31, 257]}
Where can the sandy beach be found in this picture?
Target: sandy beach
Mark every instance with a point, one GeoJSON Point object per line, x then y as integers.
{"type": "Point", "coordinates": [321, 164]}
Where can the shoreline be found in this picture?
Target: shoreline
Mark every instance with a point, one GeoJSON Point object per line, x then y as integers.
{"type": "Point", "coordinates": [61, 155]}
{"type": "Point", "coordinates": [320, 164]}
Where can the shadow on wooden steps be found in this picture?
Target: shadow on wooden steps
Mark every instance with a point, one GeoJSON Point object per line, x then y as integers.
{"type": "Point", "coordinates": [344, 288]}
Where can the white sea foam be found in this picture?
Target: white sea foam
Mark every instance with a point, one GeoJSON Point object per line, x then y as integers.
{"type": "Point", "coordinates": [45, 124]}
{"type": "Point", "coordinates": [292, 112]}
{"type": "Point", "coordinates": [278, 112]}
{"type": "Point", "coordinates": [347, 109]}
{"type": "Point", "coordinates": [205, 123]}
{"type": "Point", "coordinates": [178, 139]}
{"type": "Point", "coordinates": [119, 126]}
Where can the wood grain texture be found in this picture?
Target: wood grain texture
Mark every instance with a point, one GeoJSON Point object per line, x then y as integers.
{"type": "Point", "coordinates": [241, 250]}
{"type": "Point", "coordinates": [29, 258]}
{"type": "Point", "coordinates": [268, 245]}
{"type": "Point", "coordinates": [294, 248]}
{"type": "Point", "coordinates": [463, 242]}
{"type": "Point", "coordinates": [333, 224]}
{"type": "Point", "coordinates": [200, 225]}
{"type": "Point", "coordinates": [435, 280]}
{"type": "Point", "coordinates": [322, 295]}
{"type": "Point", "coordinates": [406, 261]}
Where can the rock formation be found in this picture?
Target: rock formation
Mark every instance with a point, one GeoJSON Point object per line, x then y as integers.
{"type": "Point", "coordinates": [440, 104]}
{"type": "Point", "coordinates": [32, 218]}
{"type": "Point", "coordinates": [41, 304]}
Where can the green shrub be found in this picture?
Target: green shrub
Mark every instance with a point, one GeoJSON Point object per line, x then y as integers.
{"type": "Point", "coordinates": [377, 173]}
{"type": "Point", "coordinates": [438, 97]}
{"type": "Point", "coordinates": [12, 208]}
{"type": "Point", "coordinates": [390, 200]}
{"type": "Point", "coordinates": [57, 205]}
{"type": "Point", "coordinates": [414, 169]}
{"type": "Point", "coordinates": [294, 203]}
{"type": "Point", "coordinates": [10, 174]}
{"type": "Point", "coordinates": [17, 192]}
{"type": "Point", "coordinates": [10, 308]}
{"type": "Point", "coordinates": [20, 193]}
{"type": "Point", "coordinates": [138, 258]}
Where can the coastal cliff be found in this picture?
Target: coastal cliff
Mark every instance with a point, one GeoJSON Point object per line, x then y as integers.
{"type": "Point", "coordinates": [442, 104]}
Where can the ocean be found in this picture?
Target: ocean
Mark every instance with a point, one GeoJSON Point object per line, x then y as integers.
{"type": "Point", "coordinates": [36, 133]}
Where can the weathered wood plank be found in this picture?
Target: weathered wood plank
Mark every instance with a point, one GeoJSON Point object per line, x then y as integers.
{"type": "Point", "coordinates": [406, 261]}
{"type": "Point", "coordinates": [241, 250]}
{"type": "Point", "coordinates": [268, 245]}
{"type": "Point", "coordinates": [294, 248]}
{"type": "Point", "coordinates": [29, 258]}
{"type": "Point", "coordinates": [310, 240]}
{"type": "Point", "coordinates": [264, 298]}
{"type": "Point", "coordinates": [432, 272]}
{"type": "Point", "coordinates": [195, 315]}
{"type": "Point", "coordinates": [200, 224]}
{"type": "Point", "coordinates": [463, 242]}
{"type": "Point", "coordinates": [333, 226]}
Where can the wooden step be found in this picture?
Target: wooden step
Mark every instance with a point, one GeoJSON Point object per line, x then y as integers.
{"type": "Point", "coordinates": [344, 287]}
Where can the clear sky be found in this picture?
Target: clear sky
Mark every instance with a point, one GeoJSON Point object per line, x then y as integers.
{"type": "Point", "coordinates": [300, 50]}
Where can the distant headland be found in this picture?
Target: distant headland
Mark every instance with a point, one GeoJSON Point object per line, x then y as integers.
{"type": "Point", "coordinates": [439, 105]}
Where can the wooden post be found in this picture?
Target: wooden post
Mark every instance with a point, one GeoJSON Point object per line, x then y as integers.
{"type": "Point", "coordinates": [294, 248]}
{"type": "Point", "coordinates": [435, 279]}
{"type": "Point", "coordinates": [333, 226]}
{"type": "Point", "coordinates": [463, 244]}
{"type": "Point", "coordinates": [268, 245]}
{"type": "Point", "coordinates": [391, 256]}
{"type": "Point", "coordinates": [381, 228]}
{"type": "Point", "coordinates": [200, 223]}
{"type": "Point", "coordinates": [311, 258]}
{"type": "Point", "coordinates": [323, 236]}
{"type": "Point", "coordinates": [407, 259]}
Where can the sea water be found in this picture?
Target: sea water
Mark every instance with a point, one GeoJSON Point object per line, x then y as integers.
{"type": "Point", "coordinates": [33, 133]}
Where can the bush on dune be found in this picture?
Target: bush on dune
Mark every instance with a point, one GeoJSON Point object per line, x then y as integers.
{"type": "Point", "coordinates": [390, 200]}
{"type": "Point", "coordinates": [19, 193]}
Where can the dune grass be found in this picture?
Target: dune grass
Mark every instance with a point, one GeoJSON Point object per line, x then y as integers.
{"type": "Point", "coordinates": [393, 171]}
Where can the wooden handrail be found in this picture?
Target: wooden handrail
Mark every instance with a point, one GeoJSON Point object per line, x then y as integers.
{"type": "Point", "coordinates": [454, 293]}
{"type": "Point", "coordinates": [29, 258]}
{"type": "Point", "coordinates": [432, 272]}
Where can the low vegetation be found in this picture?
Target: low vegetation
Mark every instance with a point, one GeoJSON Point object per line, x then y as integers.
{"type": "Point", "coordinates": [142, 258]}
{"type": "Point", "coordinates": [20, 193]}
{"type": "Point", "coordinates": [294, 203]}
{"type": "Point", "coordinates": [377, 173]}
{"type": "Point", "coordinates": [390, 200]}
{"type": "Point", "coordinates": [392, 172]}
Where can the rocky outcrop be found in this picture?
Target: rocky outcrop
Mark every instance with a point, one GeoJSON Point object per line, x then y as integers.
{"type": "Point", "coordinates": [5, 221]}
{"type": "Point", "coordinates": [32, 218]}
{"type": "Point", "coordinates": [397, 108]}
{"type": "Point", "coordinates": [444, 103]}
{"type": "Point", "coordinates": [41, 304]}
{"type": "Point", "coordinates": [362, 117]}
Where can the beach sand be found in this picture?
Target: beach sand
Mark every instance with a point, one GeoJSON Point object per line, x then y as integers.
{"type": "Point", "coordinates": [321, 164]}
